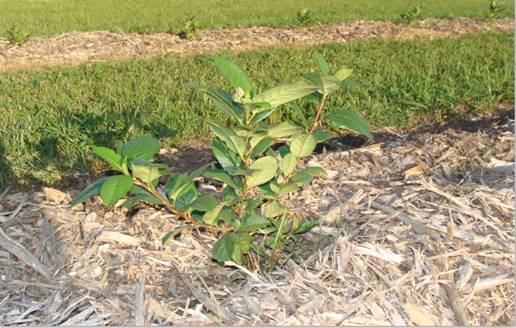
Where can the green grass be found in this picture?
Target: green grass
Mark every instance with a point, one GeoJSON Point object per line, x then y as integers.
{"type": "Point", "coordinates": [51, 118]}
{"type": "Point", "coordinates": [41, 17]}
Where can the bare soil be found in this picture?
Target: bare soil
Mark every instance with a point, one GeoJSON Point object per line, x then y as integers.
{"type": "Point", "coordinates": [417, 228]}
{"type": "Point", "coordinates": [83, 47]}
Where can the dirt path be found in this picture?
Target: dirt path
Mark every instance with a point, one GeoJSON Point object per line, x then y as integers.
{"type": "Point", "coordinates": [82, 47]}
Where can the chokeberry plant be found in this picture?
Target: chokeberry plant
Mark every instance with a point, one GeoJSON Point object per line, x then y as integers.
{"type": "Point", "coordinates": [258, 165]}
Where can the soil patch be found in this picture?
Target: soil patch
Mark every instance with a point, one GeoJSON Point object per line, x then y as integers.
{"type": "Point", "coordinates": [83, 47]}
{"type": "Point", "coordinates": [415, 229]}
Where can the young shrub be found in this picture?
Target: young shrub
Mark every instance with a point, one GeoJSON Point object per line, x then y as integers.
{"type": "Point", "coordinates": [256, 175]}
{"type": "Point", "coordinates": [411, 16]}
{"type": "Point", "coordinates": [253, 223]}
{"type": "Point", "coordinates": [496, 10]}
{"type": "Point", "coordinates": [304, 17]}
{"type": "Point", "coordinates": [191, 29]}
{"type": "Point", "coordinates": [16, 37]}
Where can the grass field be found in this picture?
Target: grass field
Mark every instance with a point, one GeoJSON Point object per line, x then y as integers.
{"type": "Point", "coordinates": [52, 117]}
{"type": "Point", "coordinates": [40, 17]}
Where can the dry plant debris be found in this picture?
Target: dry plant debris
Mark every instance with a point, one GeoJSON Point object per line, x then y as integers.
{"type": "Point", "coordinates": [417, 229]}
{"type": "Point", "coordinates": [82, 47]}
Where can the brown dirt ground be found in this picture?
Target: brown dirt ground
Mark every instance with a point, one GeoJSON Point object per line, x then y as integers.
{"type": "Point", "coordinates": [416, 228]}
{"type": "Point", "coordinates": [83, 47]}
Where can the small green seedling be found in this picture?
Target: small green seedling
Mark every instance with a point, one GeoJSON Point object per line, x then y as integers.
{"type": "Point", "coordinates": [496, 10]}
{"type": "Point", "coordinates": [249, 215]}
{"type": "Point", "coordinates": [304, 17]}
{"type": "Point", "coordinates": [191, 29]}
{"type": "Point", "coordinates": [16, 37]}
{"type": "Point", "coordinates": [411, 16]}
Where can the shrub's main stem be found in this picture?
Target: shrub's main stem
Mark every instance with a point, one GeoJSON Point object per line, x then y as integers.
{"type": "Point", "coordinates": [318, 115]}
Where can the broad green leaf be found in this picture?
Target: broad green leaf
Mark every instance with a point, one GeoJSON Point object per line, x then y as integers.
{"type": "Point", "coordinates": [186, 197]}
{"type": "Point", "coordinates": [301, 178]}
{"type": "Point", "coordinates": [140, 195]}
{"type": "Point", "coordinates": [234, 74]}
{"type": "Point", "coordinates": [142, 147]}
{"type": "Point", "coordinates": [227, 159]}
{"type": "Point", "coordinates": [303, 145]}
{"type": "Point", "coordinates": [304, 227]}
{"type": "Point", "coordinates": [288, 164]}
{"type": "Point", "coordinates": [261, 146]}
{"type": "Point", "coordinates": [90, 191]}
{"type": "Point", "coordinates": [115, 188]}
{"type": "Point", "coordinates": [323, 65]}
{"type": "Point", "coordinates": [262, 115]}
{"type": "Point", "coordinates": [148, 172]}
{"type": "Point", "coordinates": [300, 114]}
{"type": "Point", "coordinates": [177, 185]}
{"type": "Point", "coordinates": [274, 209]}
{"type": "Point", "coordinates": [211, 217]}
{"type": "Point", "coordinates": [245, 242]}
{"type": "Point", "coordinates": [314, 170]}
{"type": "Point", "coordinates": [172, 234]}
{"type": "Point", "coordinates": [249, 132]}
{"type": "Point", "coordinates": [234, 142]}
{"type": "Point", "coordinates": [222, 176]}
{"type": "Point", "coordinates": [229, 196]}
{"type": "Point", "coordinates": [198, 172]}
{"type": "Point", "coordinates": [110, 156]}
{"type": "Point", "coordinates": [284, 129]}
{"type": "Point", "coordinates": [325, 84]}
{"type": "Point", "coordinates": [283, 151]}
{"type": "Point", "coordinates": [228, 216]}
{"type": "Point", "coordinates": [286, 93]}
{"type": "Point", "coordinates": [322, 136]}
{"type": "Point", "coordinates": [204, 203]}
{"type": "Point", "coordinates": [285, 188]}
{"type": "Point", "coordinates": [253, 222]}
{"type": "Point", "coordinates": [223, 100]}
{"type": "Point", "coordinates": [265, 167]}
{"type": "Point", "coordinates": [225, 247]}
{"type": "Point", "coordinates": [343, 74]}
{"type": "Point", "coordinates": [347, 119]}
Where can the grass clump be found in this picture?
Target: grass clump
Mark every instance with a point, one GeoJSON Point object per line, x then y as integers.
{"type": "Point", "coordinates": [51, 118]}
{"type": "Point", "coordinates": [16, 36]}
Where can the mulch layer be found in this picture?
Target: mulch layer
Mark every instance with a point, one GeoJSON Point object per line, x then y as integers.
{"type": "Point", "coordinates": [415, 229]}
{"type": "Point", "coordinates": [83, 47]}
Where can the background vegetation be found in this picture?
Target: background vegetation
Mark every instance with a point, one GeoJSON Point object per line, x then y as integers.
{"type": "Point", "coordinates": [40, 17]}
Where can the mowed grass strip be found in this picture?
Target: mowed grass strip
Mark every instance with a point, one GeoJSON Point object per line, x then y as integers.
{"type": "Point", "coordinates": [39, 17]}
{"type": "Point", "coordinates": [51, 118]}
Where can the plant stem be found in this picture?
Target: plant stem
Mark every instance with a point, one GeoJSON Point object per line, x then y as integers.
{"type": "Point", "coordinates": [317, 115]}
{"type": "Point", "coordinates": [185, 216]}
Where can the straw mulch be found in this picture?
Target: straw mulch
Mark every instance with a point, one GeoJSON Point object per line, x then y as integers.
{"type": "Point", "coordinates": [82, 47]}
{"type": "Point", "coordinates": [415, 229]}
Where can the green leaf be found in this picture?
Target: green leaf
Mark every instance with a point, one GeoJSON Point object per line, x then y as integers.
{"type": "Point", "coordinates": [314, 170]}
{"type": "Point", "coordinates": [343, 74]}
{"type": "Point", "coordinates": [274, 209]}
{"type": "Point", "coordinates": [253, 222]}
{"type": "Point", "coordinates": [211, 216]}
{"type": "Point", "coordinates": [142, 147]}
{"type": "Point", "coordinates": [115, 188]}
{"type": "Point", "coordinates": [288, 164]}
{"type": "Point", "coordinates": [90, 191]}
{"type": "Point", "coordinates": [140, 195]}
{"type": "Point", "coordinates": [223, 100]}
{"type": "Point", "coordinates": [303, 145]}
{"type": "Point", "coordinates": [178, 185]}
{"type": "Point", "coordinates": [258, 117]}
{"type": "Point", "coordinates": [284, 129]}
{"type": "Point", "coordinates": [186, 197]}
{"type": "Point", "coordinates": [235, 143]}
{"type": "Point", "coordinates": [301, 178]}
{"type": "Point", "coordinates": [226, 247]}
{"type": "Point", "coordinates": [300, 113]}
{"type": "Point", "coordinates": [148, 172]}
{"type": "Point", "coordinates": [286, 93]}
{"type": "Point", "coordinates": [228, 216]}
{"type": "Point", "coordinates": [265, 167]}
{"type": "Point", "coordinates": [204, 203]}
{"type": "Point", "coordinates": [222, 176]}
{"type": "Point", "coordinates": [322, 136]}
{"type": "Point", "coordinates": [227, 159]}
{"type": "Point", "coordinates": [304, 227]}
{"type": "Point", "coordinates": [325, 84]}
{"type": "Point", "coordinates": [347, 119]}
{"type": "Point", "coordinates": [171, 234]}
{"type": "Point", "coordinates": [234, 74]}
{"type": "Point", "coordinates": [245, 242]}
{"type": "Point", "coordinates": [261, 146]}
{"type": "Point", "coordinates": [323, 65]}
{"type": "Point", "coordinates": [110, 156]}
{"type": "Point", "coordinates": [198, 172]}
